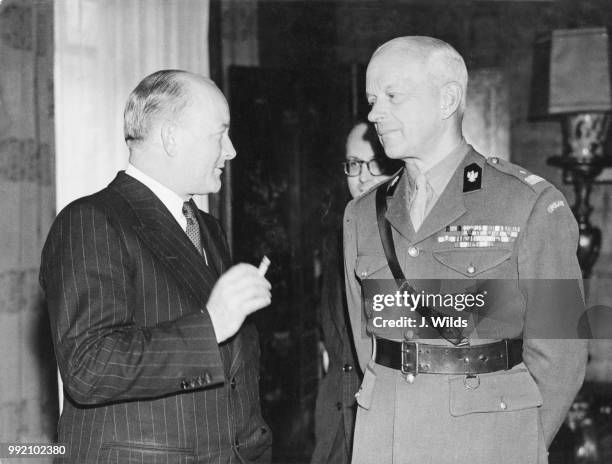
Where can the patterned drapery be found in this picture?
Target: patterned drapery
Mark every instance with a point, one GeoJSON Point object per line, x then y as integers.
{"type": "Point", "coordinates": [103, 48]}
{"type": "Point", "coordinates": [28, 404]}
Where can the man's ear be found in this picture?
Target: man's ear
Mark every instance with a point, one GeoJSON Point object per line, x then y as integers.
{"type": "Point", "coordinates": [168, 137]}
{"type": "Point", "coordinates": [451, 97]}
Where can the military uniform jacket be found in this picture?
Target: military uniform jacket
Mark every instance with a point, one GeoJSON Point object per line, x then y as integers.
{"type": "Point", "coordinates": [513, 415]}
{"type": "Point", "coordinates": [144, 377]}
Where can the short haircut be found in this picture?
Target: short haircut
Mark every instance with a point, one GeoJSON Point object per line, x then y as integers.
{"type": "Point", "coordinates": [444, 64]}
{"type": "Point", "coordinates": [161, 94]}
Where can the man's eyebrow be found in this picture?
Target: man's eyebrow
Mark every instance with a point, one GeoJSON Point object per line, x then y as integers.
{"type": "Point", "coordinates": [392, 87]}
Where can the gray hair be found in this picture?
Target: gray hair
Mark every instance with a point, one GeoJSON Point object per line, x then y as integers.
{"type": "Point", "coordinates": [444, 64]}
{"type": "Point", "coordinates": [163, 93]}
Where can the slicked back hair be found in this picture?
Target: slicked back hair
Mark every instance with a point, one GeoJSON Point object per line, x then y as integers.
{"type": "Point", "coordinates": [161, 94]}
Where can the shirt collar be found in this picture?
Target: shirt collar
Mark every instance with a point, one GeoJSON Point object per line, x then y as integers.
{"type": "Point", "coordinates": [170, 199]}
{"type": "Point", "coordinates": [439, 175]}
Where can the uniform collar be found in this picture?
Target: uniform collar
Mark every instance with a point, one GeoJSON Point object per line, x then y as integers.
{"type": "Point", "coordinates": [439, 175]}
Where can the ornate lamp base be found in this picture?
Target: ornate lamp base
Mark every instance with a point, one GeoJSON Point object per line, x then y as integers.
{"type": "Point", "coordinates": [584, 135]}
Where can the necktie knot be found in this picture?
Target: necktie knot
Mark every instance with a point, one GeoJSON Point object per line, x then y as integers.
{"type": "Point", "coordinates": [188, 211]}
{"type": "Point", "coordinates": [193, 228]}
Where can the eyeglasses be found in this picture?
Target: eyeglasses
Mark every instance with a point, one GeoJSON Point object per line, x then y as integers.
{"type": "Point", "coordinates": [353, 166]}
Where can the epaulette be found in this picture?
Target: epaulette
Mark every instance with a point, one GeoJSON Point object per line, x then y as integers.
{"type": "Point", "coordinates": [535, 182]}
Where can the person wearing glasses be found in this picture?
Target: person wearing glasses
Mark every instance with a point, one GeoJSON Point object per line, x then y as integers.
{"type": "Point", "coordinates": [365, 166]}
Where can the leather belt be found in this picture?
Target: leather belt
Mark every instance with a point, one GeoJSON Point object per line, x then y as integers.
{"type": "Point", "coordinates": [415, 358]}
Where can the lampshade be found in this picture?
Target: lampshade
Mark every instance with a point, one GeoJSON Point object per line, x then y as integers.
{"type": "Point", "coordinates": [571, 73]}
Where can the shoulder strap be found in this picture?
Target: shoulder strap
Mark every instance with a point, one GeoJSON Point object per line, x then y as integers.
{"type": "Point", "coordinates": [386, 236]}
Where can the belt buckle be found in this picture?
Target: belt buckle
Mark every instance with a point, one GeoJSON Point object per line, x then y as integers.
{"type": "Point", "coordinates": [410, 363]}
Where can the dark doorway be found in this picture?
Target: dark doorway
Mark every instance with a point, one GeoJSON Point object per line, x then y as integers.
{"type": "Point", "coordinates": [288, 189]}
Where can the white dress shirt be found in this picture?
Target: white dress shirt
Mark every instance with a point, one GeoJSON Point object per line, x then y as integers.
{"type": "Point", "coordinates": [170, 199]}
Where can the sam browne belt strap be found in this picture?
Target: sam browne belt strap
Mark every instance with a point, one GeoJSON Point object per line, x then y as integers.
{"type": "Point", "coordinates": [452, 334]}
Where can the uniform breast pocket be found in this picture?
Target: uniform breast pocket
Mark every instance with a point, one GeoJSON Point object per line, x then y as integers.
{"type": "Point", "coordinates": [470, 262]}
{"type": "Point", "coordinates": [372, 267]}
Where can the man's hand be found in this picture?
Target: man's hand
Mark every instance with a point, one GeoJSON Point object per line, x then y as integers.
{"type": "Point", "coordinates": [239, 292]}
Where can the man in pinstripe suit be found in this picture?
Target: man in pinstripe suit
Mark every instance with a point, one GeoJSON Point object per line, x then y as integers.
{"type": "Point", "coordinates": [146, 313]}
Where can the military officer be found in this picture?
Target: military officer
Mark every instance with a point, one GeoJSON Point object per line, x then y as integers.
{"type": "Point", "coordinates": [452, 396]}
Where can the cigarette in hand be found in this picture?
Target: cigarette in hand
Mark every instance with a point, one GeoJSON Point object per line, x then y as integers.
{"type": "Point", "coordinates": [263, 266]}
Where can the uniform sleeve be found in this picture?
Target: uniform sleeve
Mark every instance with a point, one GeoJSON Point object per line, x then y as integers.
{"type": "Point", "coordinates": [103, 355]}
{"type": "Point", "coordinates": [363, 344]}
{"type": "Point", "coordinates": [551, 283]}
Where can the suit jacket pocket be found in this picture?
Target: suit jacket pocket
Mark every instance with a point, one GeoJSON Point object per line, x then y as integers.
{"type": "Point", "coordinates": [372, 267]}
{"type": "Point", "coordinates": [366, 391]}
{"type": "Point", "coordinates": [504, 391]}
{"type": "Point", "coordinates": [472, 261]}
{"type": "Point", "coordinates": [130, 453]}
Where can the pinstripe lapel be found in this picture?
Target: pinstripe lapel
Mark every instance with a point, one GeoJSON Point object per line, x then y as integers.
{"type": "Point", "coordinates": [165, 238]}
{"type": "Point", "coordinates": [216, 251]}
{"type": "Point", "coordinates": [219, 260]}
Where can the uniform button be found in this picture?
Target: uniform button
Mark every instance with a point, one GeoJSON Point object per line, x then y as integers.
{"type": "Point", "coordinates": [233, 384]}
{"type": "Point", "coordinates": [347, 368]}
{"type": "Point", "coordinates": [413, 251]}
{"type": "Point", "coordinates": [184, 385]}
{"type": "Point", "coordinates": [363, 274]}
{"type": "Point", "coordinates": [494, 160]}
{"type": "Point", "coordinates": [338, 405]}
{"type": "Point", "coordinates": [409, 334]}
{"type": "Point", "coordinates": [471, 269]}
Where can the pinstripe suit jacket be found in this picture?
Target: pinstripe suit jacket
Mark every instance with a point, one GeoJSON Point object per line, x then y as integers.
{"type": "Point", "coordinates": [145, 379]}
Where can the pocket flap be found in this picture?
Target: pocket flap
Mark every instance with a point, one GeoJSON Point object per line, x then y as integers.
{"type": "Point", "coordinates": [367, 266]}
{"type": "Point", "coordinates": [471, 263]}
{"type": "Point", "coordinates": [364, 395]}
{"type": "Point", "coordinates": [511, 390]}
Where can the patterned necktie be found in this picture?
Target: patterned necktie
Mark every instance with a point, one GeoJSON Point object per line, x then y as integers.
{"type": "Point", "coordinates": [193, 228]}
{"type": "Point", "coordinates": [420, 194]}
